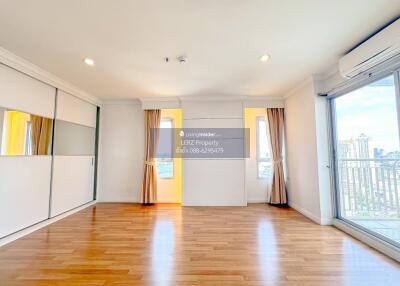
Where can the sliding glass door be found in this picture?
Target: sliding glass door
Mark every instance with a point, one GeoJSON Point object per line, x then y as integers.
{"type": "Point", "coordinates": [367, 157]}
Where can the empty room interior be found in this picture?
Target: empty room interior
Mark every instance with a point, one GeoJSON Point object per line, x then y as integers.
{"type": "Point", "coordinates": [199, 142]}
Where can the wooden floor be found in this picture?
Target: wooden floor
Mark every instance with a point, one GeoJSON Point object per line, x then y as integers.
{"type": "Point", "coordinates": [125, 244]}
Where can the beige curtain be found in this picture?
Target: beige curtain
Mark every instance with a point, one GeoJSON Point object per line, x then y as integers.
{"type": "Point", "coordinates": [275, 117]}
{"type": "Point", "coordinates": [40, 135]}
{"type": "Point", "coordinates": [149, 184]}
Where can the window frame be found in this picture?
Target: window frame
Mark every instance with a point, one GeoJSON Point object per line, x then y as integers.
{"type": "Point", "coordinates": [167, 159]}
{"type": "Point", "coordinates": [28, 136]}
{"type": "Point", "coordinates": [258, 158]}
{"type": "Point", "coordinates": [360, 82]}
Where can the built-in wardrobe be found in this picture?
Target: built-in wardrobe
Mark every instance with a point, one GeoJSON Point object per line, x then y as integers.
{"type": "Point", "coordinates": [48, 147]}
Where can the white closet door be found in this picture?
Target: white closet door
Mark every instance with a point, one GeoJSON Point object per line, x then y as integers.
{"type": "Point", "coordinates": [73, 182]}
{"type": "Point", "coordinates": [73, 109]}
{"type": "Point", "coordinates": [24, 192]}
{"type": "Point", "coordinates": [24, 180]}
{"type": "Point", "coordinates": [23, 93]}
{"type": "Point", "coordinates": [74, 145]}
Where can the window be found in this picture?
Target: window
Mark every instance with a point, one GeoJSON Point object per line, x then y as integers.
{"type": "Point", "coordinates": [28, 140]}
{"type": "Point", "coordinates": [165, 162]}
{"type": "Point", "coordinates": [367, 158]}
{"type": "Point", "coordinates": [264, 166]}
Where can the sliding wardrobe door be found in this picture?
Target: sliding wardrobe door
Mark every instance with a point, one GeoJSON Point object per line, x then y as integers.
{"type": "Point", "coordinates": [74, 154]}
{"type": "Point", "coordinates": [26, 112]}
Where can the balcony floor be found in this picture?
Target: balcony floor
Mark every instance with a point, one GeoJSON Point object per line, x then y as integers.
{"type": "Point", "coordinates": [388, 228]}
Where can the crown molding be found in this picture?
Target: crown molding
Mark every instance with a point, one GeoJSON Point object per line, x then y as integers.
{"type": "Point", "coordinates": [230, 98]}
{"type": "Point", "coordinates": [175, 101]}
{"type": "Point", "coordinates": [19, 64]}
{"type": "Point", "coordinates": [200, 98]}
{"type": "Point", "coordinates": [133, 101]}
{"type": "Point", "coordinates": [262, 98]}
{"type": "Point", "coordinates": [160, 99]}
{"type": "Point", "coordinates": [263, 102]}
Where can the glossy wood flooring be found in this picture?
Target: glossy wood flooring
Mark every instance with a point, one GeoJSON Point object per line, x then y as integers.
{"type": "Point", "coordinates": [126, 244]}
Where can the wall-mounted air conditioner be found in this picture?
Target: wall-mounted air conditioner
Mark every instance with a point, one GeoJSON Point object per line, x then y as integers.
{"type": "Point", "coordinates": [379, 48]}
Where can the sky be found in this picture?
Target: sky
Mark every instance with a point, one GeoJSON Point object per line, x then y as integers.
{"type": "Point", "coordinates": [370, 110]}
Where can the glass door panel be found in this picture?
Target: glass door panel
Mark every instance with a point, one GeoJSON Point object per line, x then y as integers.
{"type": "Point", "coordinates": [368, 158]}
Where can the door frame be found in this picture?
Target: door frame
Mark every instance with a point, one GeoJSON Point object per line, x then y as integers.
{"type": "Point", "coordinates": [363, 80]}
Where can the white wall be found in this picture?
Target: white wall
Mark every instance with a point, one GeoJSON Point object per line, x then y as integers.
{"type": "Point", "coordinates": [307, 153]}
{"type": "Point", "coordinates": [122, 145]}
{"type": "Point", "coordinates": [213, 182]}
{"type": "Point", "coordinates": [121, 156]}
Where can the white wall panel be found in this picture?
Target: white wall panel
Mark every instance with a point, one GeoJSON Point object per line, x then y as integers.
{"type": "Point", "coordinates": [73, 109]}
{"type": "Point", "coordinates": [213, 183]}
{"type": "Point", "coordinates": [212, 109]}
{"type": "Point", "coordinates": [72, 183]}
{"type": "Point", "coordinates": [24, 192]}
{"type": "Point", "coordinates": [213, 123]}
{"type": "Point", "coordinates": [302, 153]}
{"type": "Point", "coordinates": [160, 103]}
{"type": "Point", "coordinates": [21, 92]}
{"type": "Point", "coordinates": [121, 157]}
{"type": "Point", "coordinates": [255, 102]}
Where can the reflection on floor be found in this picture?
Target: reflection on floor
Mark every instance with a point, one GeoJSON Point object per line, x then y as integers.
{"type": "Point", "coordinates": [388, 228]}
{"type": "Point", "coordinates": [126, 244]}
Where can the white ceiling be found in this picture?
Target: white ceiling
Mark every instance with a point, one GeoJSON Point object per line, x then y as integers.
{"type": "Point", "coordinates": [222, 39]}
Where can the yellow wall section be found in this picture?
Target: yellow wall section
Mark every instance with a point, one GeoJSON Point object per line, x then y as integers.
{"type": "Point", "coordinates": [256, 188]}
{"type": "Point", "coordinates": [15, 131]}
{"type": "Point", "coordinates": [250, 118]}
{"type": "Point", "coordinates": [170, 190]}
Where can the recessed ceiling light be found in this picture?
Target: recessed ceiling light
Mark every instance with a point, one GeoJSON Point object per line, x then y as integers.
{"type": "Point", "coordinates": [88, 61]}
{"type": "Point", "coordinates": [265, 58]}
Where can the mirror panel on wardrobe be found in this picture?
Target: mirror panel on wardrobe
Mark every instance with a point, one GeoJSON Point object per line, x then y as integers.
{"type": "Point", "coordinates": [24, 134]}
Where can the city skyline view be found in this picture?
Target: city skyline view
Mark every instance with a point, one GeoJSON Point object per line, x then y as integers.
{"type": "Point", "coordinates": [370, 111]}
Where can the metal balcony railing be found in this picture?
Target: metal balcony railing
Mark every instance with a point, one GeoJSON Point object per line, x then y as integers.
{"type": "Point", "coordinates": [369, 188]}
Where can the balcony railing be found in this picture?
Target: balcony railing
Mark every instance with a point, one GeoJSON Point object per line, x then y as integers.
{"type": "Point", "coordinates": [369, 188]}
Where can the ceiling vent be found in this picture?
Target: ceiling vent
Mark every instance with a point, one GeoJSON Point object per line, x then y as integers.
{"type": "Point", "coordinates": [182, 59]}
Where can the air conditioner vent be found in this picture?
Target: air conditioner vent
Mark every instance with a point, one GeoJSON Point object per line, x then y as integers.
{"type": "Point", "coordinates": [381, 47]}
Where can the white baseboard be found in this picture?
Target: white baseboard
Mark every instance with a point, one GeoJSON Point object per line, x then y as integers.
{"type": "Point", "coordinates": [256, 201]}
{"type": "Point", "coordinates": [122, 201]}
{"type": "Point", "coordinates": [313, 217]}
{"type": "Point", "coordinates": [196, 204]}
{"type": "Point", "coordinates": [326, 221]}
{"type": "Point", "coordinates": [365, 237]}
{"type": "Point", "coordinates": [14, 236]}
